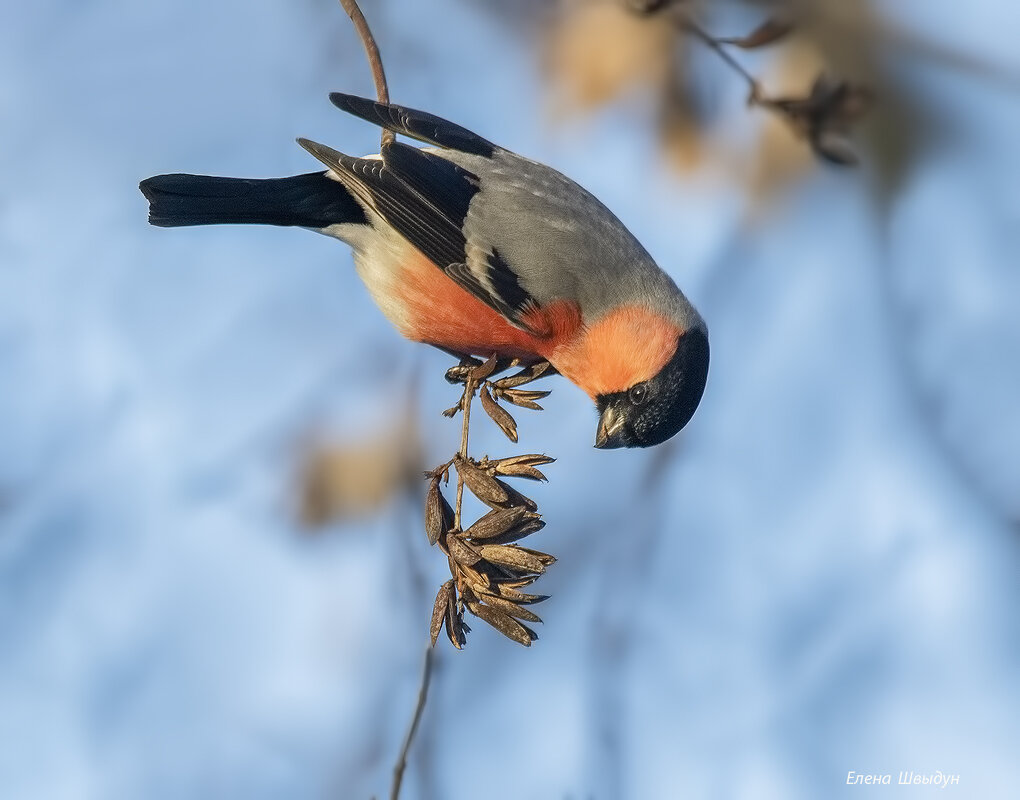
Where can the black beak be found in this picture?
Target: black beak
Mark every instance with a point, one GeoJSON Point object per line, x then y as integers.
{"type": "Point", "coordinates": [610, 433]}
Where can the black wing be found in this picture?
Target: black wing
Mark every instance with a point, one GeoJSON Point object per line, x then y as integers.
{"type": "Point", "coordinates": [426, 199]}
{"type": "Point", "coordinates": [419, 125]}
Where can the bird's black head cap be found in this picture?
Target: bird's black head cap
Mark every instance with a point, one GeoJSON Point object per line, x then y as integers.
{"type": "Point", "coordinates": [655, 410]}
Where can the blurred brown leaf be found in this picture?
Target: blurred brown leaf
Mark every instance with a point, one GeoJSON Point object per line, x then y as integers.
{"type": "Point", "coordinates": [345, 480]}
{"type": "Point", "coordinates": [596, 50]}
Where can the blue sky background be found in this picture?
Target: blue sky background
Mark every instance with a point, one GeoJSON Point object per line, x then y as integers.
{"type": "Point", "coordinates": [819, 577]}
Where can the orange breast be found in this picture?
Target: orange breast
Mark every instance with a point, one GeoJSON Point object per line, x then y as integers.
{"type": "Point", "coordinates": [623, 348]}
{"type": "Point", "coordinates": [439, 312]}
{"type": "Point", "coordinates": [627, 346]}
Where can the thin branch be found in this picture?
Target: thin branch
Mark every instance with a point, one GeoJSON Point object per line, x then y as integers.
{"type": "Point", "coordinates": [423, 694]}
{"type": "Point", "coordinates": [469, 396]}
{"type": "Point", "coordinates": [374, 59]}
{"type": "Point", "coordinates": [755, 96]}
{"type": "Point", "coordinates": [718, 46]}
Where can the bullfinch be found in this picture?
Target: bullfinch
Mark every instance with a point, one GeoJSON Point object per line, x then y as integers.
{"type": "Point", "coordinates": [474, 249]}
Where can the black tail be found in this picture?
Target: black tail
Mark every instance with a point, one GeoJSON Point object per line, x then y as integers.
{"type": "Point", "coordinates": [309, 201]}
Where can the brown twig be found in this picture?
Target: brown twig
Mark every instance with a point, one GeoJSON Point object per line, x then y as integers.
{"type": "Point", "coordinates": [716, 44]}
{"type": "Point", "coordinates": [469, 396]}
{"type": "Point", "coordinates": [383, 94]}
{"type": "Point", "coordinates": [374, 59]}
{"type": "Point", "coordinates": [755, 95]}
{"type": "Point", "coordinates": [423, 694]}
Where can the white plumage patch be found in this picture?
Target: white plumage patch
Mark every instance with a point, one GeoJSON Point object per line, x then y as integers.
{"type": "Point", "coordinates": [380, 257]}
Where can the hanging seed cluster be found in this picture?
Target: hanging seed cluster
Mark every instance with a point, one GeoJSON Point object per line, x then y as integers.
{"type": "Point", "coordinates": [489, 567]}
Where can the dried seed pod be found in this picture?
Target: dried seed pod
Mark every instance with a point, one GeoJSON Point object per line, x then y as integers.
{"type": "Point", "coordinates": [522, 398]}
{"type": "Point", "coordinates": [510, 628]}
{"type": "Point", "coordinates": [526, 394]}
{"type": "Point", "coordinates": [479, 582]}
{"type": "Point", "coordinates": [517, 466]}
{"type": "Point", "coordinates": [522, 471]}
{"type": "Point", "coordinates": [455, 626]}
{"type": "Point", "coordinates": [529, 404]}
{"type": "Point", "coordinates": [519, 583]}
{"type": "Point", "coordinates": [496, 522]}
{"type": "Point", "coordinates": [433, 512]}
{"type": "Point", "coordinates": [467, 595]}
{"type": "Point", "coordinates": [520, 531]}
{"type": "Point", "coordinates": [514, 557]}
{"type": "Point", "coordinates": [515, 498]}
{"type": "Point", "coordinates": [531, 459]}
{"type": "Point", "coordinates": [438, 512]}
{"type": "Point", "coordinates": [499, 415]}
{"type": "Point", "coordinates": [526, 375]}
{"type": "Point", "coordinates": [494, 487]}
{"type": "Point", "coordinates": [489, 490]}
{"type": "Point", "coordinates": [545, 558]}
{"type": "Point", "coordinates": [514, 596]}
{"type": "Point", "coordinates": [512, 609]}
{"type": "Point", "coordinates": [461, 551]}
{"type": "Point", "coordinates": [439, 609]}
{"type": "Point", "coordinates": [483, 371]}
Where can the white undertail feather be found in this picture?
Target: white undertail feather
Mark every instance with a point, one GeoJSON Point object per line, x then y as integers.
{"type": "Point", "coordinates": [380, 255]}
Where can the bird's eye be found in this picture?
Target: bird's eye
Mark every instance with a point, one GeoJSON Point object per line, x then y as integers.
{"type": "Point", "coordinates": [638, 393]}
